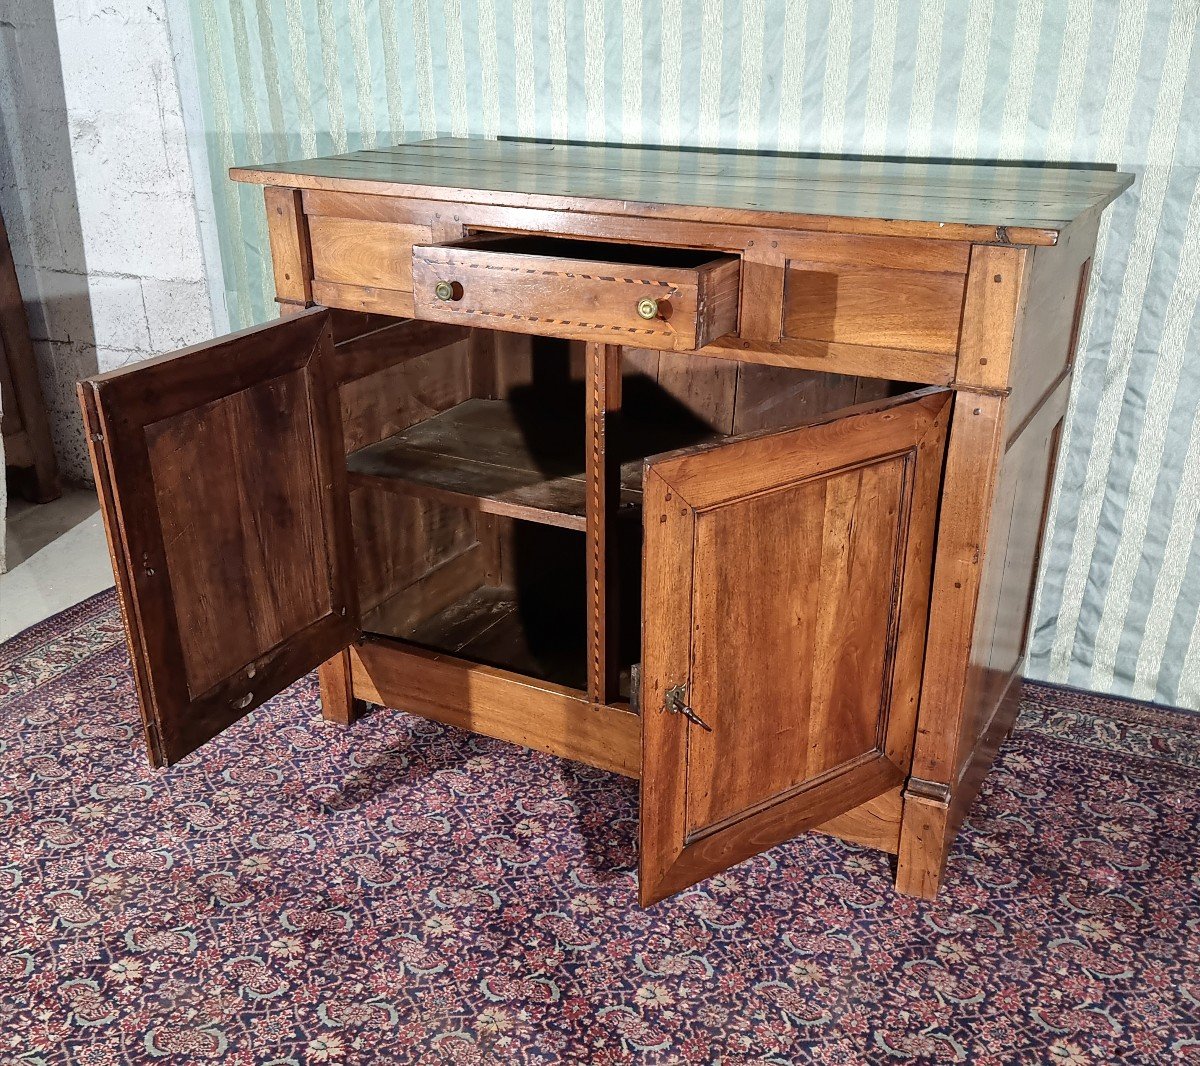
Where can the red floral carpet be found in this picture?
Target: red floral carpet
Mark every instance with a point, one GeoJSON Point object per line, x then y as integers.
{"type": "Point", "coordinates": [402, 892]}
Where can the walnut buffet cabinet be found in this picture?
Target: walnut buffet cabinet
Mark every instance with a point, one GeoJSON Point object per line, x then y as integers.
{"type": "Point", "coordinates": [722, 471]}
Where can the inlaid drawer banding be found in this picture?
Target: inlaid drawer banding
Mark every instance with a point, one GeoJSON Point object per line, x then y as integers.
{"type": "Point", "coordinates": [672, 299]}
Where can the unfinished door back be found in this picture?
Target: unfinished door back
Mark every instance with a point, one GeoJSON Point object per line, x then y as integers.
{"type": "Point", "coordinates": [222, 485]}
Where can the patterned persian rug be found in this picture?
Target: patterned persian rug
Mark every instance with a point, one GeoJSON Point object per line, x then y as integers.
{"type": "Point", "coordinates": [403, 892]}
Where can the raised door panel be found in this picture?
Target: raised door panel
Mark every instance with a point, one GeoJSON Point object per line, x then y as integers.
{"type": "Point", "coordinates": [223, 490]}
{"type": "Point", "coordinates": [786, 593]}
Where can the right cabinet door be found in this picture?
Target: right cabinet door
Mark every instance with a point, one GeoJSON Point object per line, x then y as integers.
{"type": "Point", "coordinates": [786, 581]}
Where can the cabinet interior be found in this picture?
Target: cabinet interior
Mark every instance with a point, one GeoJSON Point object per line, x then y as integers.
{"type": "Point", "coordinates": [469, 485]}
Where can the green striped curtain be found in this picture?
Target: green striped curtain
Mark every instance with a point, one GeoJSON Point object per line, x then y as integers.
{"type": "Point", "coordinates": [1112, 81]}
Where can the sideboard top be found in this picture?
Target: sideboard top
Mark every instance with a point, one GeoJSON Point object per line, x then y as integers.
{"type": "Point", "coordinates": [1015, 203]}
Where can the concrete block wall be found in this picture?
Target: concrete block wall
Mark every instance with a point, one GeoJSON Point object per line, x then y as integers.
{"type": "Point", "coordinates": [97, 189]}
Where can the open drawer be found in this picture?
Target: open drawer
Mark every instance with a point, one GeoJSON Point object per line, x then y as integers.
{"type": "Point", "coordinates": [666, 298]}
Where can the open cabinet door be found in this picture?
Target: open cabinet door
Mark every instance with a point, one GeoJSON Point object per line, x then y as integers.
{"type": "Point", "coordinates": [222, 484]}
{"type": "Point", "coordinates": [786, 592]}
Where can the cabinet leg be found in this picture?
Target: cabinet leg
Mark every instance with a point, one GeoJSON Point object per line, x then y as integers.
{"type": "Point", "coordinates": [337, 690]}
{"type": "Point", "coordinates": [923, 845]}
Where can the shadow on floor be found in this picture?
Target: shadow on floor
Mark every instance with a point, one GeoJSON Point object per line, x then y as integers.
{"type": "Point", "coordinates": [56, 557]}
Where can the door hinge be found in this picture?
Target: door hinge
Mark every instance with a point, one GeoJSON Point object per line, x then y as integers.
{"type": "Point", "coordinates": [675, 701]}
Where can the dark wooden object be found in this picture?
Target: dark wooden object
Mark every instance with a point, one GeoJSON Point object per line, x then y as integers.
{"type": "Point", "coordinates": [826, 454]}
{"type": "Point", "coordinates": [24, 427]}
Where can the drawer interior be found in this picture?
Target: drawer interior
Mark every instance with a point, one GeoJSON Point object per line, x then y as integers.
{"type": "Point", "coordinates": [469, 485]}
{"type": "Point", "coordinates": [588, 251]}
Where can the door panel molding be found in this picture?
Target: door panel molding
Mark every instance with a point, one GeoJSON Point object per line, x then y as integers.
{"type": "Point", "coordinates": [814, 714]}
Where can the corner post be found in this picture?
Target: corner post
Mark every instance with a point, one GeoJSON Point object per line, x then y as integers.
{"type": "Point", "coordinates": [932, 810]}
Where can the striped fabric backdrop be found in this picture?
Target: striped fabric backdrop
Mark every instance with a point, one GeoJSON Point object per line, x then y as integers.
{"type": "Point", "coordinates": [1114, 81]}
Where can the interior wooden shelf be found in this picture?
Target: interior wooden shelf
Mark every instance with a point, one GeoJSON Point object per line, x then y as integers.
{"type": "Point", "coordinates": [485, 455]}
{"type": "Point", "coordinates": [504, 458]}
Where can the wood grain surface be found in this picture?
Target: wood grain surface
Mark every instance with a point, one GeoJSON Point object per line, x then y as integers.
{"type": "Point", "coordinates": [1027, 204]}
{"type": "Point", "coordinates": [786, 592]}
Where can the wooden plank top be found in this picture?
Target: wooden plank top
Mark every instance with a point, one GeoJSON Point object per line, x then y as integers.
{"type": "Point", "coordinates": [1010, 203]}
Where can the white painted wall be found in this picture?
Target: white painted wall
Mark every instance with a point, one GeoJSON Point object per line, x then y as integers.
{"type": "Point", "coordinates": [96, 187]}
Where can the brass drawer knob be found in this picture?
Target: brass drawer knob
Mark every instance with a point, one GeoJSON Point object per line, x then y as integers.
{"type": "Point", "coordinates": [648, 309]}
{"type": "Point", "coordinates": [448, 290]}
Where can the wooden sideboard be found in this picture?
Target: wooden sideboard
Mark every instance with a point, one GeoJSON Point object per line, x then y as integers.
{"type": "Point", "coordinates": [722, 471]}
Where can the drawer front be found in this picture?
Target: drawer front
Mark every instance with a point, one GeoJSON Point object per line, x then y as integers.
{"type": "Point", "coordinates": [669, 306]}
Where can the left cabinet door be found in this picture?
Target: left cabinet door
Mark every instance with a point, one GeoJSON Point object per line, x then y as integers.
{"type": "Point", "coordinates": [222, 482]}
